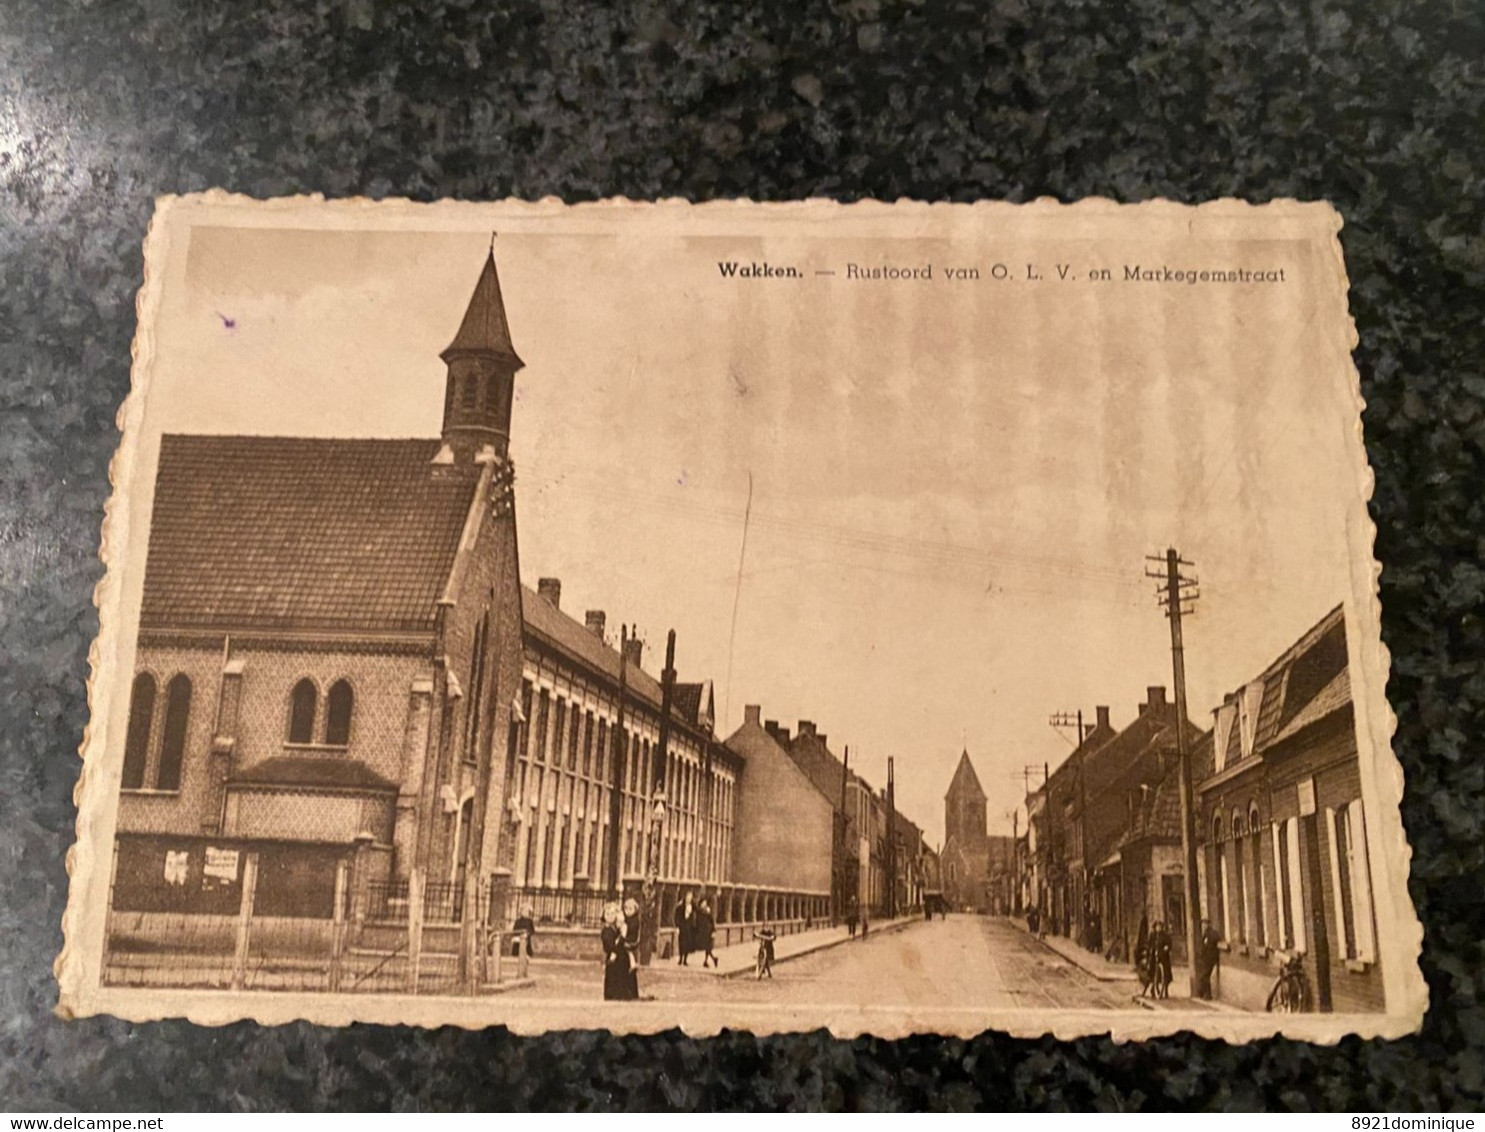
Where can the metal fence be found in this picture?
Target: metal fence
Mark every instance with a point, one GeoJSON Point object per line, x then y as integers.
{"type": "Point", "coordinates": [376, 937]}
{"type": "Point", "coordinates": [557, 907]}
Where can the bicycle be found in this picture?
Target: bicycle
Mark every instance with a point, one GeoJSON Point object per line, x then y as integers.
{"type": "Point", "coordinates": [1291, 990]}
{"type": "Point", "coordinates": [764, 962]}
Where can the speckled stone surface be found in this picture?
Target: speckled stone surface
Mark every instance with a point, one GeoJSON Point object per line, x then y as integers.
{"type": "Point", "coordinates": [1376, 106]}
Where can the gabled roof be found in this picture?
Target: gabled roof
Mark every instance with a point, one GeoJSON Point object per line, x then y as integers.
{"type": "Point", "coordinates": [965, 781]}
{"type": "Point", "coordinates": [1310, 669]}
{"type": "Point", "coordinates": [694, 702]}
{"type": "Point", "coordinates": [548, 625]}
{"type": "Point", "coordinates": [327, 771]}
{"type": "Point", "coordinates": [294, 532]}
{"type": "Point", "coordinates": [485, 329]}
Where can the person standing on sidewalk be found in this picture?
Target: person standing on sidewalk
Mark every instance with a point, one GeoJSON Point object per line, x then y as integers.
{"type": "Point", "coordinates": [706, 927]}
{"type": "Point", "coordinates": [1208, 956]}
{"type": "Point", "coordinates": [617, 981]}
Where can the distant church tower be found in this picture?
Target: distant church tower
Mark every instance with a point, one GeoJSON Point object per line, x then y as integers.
{"type": "Point", "coordinates": [965, 865]}
{"type": "Point", "coordinates": [964, 808]}
{"type": "Point", "coordinates": [482, 364]}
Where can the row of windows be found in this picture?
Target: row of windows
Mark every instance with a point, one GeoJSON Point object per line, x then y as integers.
{"type": "Point", "coordinates": [304, 713]}
{"type": "Point", "coordinates": [1247, 912]}
{"type": "Point", "coordinates": [155, 743]}
{"type": "Point", "coordinates": [140, 747]}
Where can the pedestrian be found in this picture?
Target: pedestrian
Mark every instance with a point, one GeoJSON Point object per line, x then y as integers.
{"type": "Point", "coordinates": [706, 926]}
{"type": "Point", "coordinates": [525, 925]}
{"type": "Point", "coordinates": [1208, 956]}
{"type": "Point", "coordinates": [617, 983]}
{"type": "Point", "coordinates": [765, 937]}
{"type": "Point", "coordinates": [1160, 957]}
{"type": "Point", "coordinates": [631, 945]}
{"type": "Point", "coordinates": [853, 916]}
{"type": "Point", "coordinates": [685, 927]}
{"type": "Point", "coordinates": [1034, 920]}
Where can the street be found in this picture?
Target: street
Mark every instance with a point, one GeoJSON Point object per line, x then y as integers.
{"type": "Point", "coordinates": [961, 962]}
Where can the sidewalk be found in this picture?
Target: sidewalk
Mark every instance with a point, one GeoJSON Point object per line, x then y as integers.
{"type": "Point", "coordinates": [740, 958]}
{"type": "Point", "coordinates": [1106, 972]}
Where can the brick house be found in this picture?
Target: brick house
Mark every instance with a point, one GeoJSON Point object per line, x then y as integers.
{"type": "Point", "coordinates": [1283, 857]}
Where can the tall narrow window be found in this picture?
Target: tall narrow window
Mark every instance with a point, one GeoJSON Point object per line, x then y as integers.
{"type": "Point", "coordinates": [574, 734]}
{"type": "Point", "coordinates": [339, 705]}
{"type": "Point", "coordinates": [141, 727]}
{"type": "Point", "coordinates": [1340, 882]}
{"type": "Point", "coordinates": [472, 718]}
{"type": "Point", "coordinates": [303, 701]}
{"type": "Point", "coordinates": [1218, 878]}
{"type": "Point", "coordinates": [1255, 851]}
{"type": "Point", "coordinates": [173, 746]}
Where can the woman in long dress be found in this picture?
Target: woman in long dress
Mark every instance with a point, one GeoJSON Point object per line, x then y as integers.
{"type": "Point", "coordinates": [630, 922]}
{"type": "Point", "coordinates": [618, 976]}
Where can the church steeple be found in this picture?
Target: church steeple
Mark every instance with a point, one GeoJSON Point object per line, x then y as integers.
{"type": "Point", "coordinates": [482, 364]}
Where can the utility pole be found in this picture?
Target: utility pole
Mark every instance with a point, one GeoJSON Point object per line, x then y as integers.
{"type": "Point", "coordinates": [843, 870]}
{"type": "Point", "coordinates": [1177, 595]}
{"type": "Point", "coordinates": [619, 746]}
{"type": "Point", "coordinates": [1070, 719]}
{"type": "Point", "coordinates": [891, 842]}
{"type": "Point", "coordinates": [650, 918]}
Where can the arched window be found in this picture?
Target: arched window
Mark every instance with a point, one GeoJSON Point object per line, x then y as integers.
{"type": "Point", "coordinates": [141, 727]}
{"type": "Point", "coordinates": [1238, 829]}
{"type": "Point", "coordinates": [173, 746]}
{"type": "Point", "coordinates": [303, 701]}
{"type": "Point", "coordinates": [469, 395]}
{"type": "Point", "coordinates": [1216, 827]}
{"type": "Point", "coordinates": [338, 706]}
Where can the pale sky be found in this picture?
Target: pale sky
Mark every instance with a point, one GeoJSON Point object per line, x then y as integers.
{"type": "Point", "coordinates": [954, 484]}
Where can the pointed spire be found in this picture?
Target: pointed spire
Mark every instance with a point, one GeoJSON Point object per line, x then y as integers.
{"type": "Point", "coordinates": [485, 329]}
{"type": "Point", "coordinates": [965, 781]}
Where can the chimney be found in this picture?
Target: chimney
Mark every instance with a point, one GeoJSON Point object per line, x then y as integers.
{"type": "Point", "coordinates": [1103, 715]}
{"type": "Point", "coordinates": [551, 589]}
{"type": "Point", "coordinates": [1155, 697]}
{"type": "Point", "coordinates": [780, 735]}
{"type": "Point", "coordinates": [821, 737]}
{"type": "Point", "coordinates": [633, 649]}
{"type": "Point", "coordinates": [596, 619]}
{"type": "Point", "coordinates": [751, 713]}
{"type": "Point", "coordinates": [806, 727]}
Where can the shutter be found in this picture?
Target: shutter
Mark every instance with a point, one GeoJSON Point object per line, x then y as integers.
{"type": "Point", "coordinates": [1296, 886]}
{"type": "Point", "coordinates": [1281, 910]}
{"type": "Point", "coordinates": [1361, 883]}
{"type": "Point", "coordinates": [1339, 934]}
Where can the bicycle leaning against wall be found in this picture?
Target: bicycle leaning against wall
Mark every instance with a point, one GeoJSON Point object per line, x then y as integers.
{"type": "Point", "coordinates": [1291, 990]}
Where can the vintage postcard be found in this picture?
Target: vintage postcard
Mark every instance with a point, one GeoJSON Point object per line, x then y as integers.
{"type": "Point", "coordinates": [890, 617]}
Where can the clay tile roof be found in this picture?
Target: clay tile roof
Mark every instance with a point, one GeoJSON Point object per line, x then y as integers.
{"type": "Point", "coordinates": [313, 770]}
{"type": "Point", "coordinates": [271, 531]}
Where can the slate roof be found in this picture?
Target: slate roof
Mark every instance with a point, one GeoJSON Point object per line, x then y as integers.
{"type": "Point", "coordinates": [291, 532]}
{"type": "Point", "coordinates": [313, 770]}
{"type": "Point", "coordinates": [687, 700]}
{"type": "Point", "coordinates": [1332, 698]}
{"type": "Point", "coordinates": [1311, 668]}
{"type": "Point", "coordinates": [965, 781]}
{"type": "Point", "coordinates": [485, 329]}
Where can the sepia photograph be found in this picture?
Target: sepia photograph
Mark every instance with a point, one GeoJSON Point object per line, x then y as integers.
{"type": "Point", "coordinates": [886, 618]}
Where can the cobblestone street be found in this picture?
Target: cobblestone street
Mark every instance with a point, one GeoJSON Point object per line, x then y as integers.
{"type": "Point", "coordinates": [962, 962]}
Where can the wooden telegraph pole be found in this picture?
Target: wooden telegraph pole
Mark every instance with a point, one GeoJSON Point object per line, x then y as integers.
{"type": "Point", "coordinates": [619, 747]}
{"type": "Point", "coordinates": [650, 930]}
{"type": "Point", "coordinates": [1176, 595]}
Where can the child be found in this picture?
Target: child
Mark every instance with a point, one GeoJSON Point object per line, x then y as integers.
{"type": "Point", "coordinates": [765, 937]}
